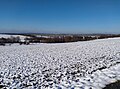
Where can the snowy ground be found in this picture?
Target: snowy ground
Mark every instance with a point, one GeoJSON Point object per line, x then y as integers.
{"type": "Point", "coordinates": [78, 65]}
{"type": "Point", "coordinates": [8, 36]}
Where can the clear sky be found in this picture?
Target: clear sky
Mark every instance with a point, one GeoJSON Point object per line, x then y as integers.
{"type": "Point", "coordinates": [60, 16]}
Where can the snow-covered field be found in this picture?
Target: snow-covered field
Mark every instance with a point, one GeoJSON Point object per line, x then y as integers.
{"type": "Point", "coordinates": [78, 65]}
{"type": "Point", "coordinates": [8, 36]}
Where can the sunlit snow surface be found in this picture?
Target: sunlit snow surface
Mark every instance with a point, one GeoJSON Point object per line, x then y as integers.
{"type": "Point", "coordinates": [79, 65]}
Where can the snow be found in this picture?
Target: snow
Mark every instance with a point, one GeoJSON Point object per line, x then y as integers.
{"type": "Point", "coordinates": [78, 65]}
{"type": "Point", "coordinates": [43, 36]}
{"type": "Point", "coordinates": [8, 36]}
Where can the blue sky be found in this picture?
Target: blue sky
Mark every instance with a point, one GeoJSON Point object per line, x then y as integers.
{"type": "Point", "coordinates": [60, 16]}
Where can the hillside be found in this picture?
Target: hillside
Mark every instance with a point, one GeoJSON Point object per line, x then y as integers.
{"type": "Point", "coordinates": [79, 65]}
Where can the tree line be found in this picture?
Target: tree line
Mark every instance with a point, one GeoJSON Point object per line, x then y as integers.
{"type": "Point", "coordinates": [52, 39]}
